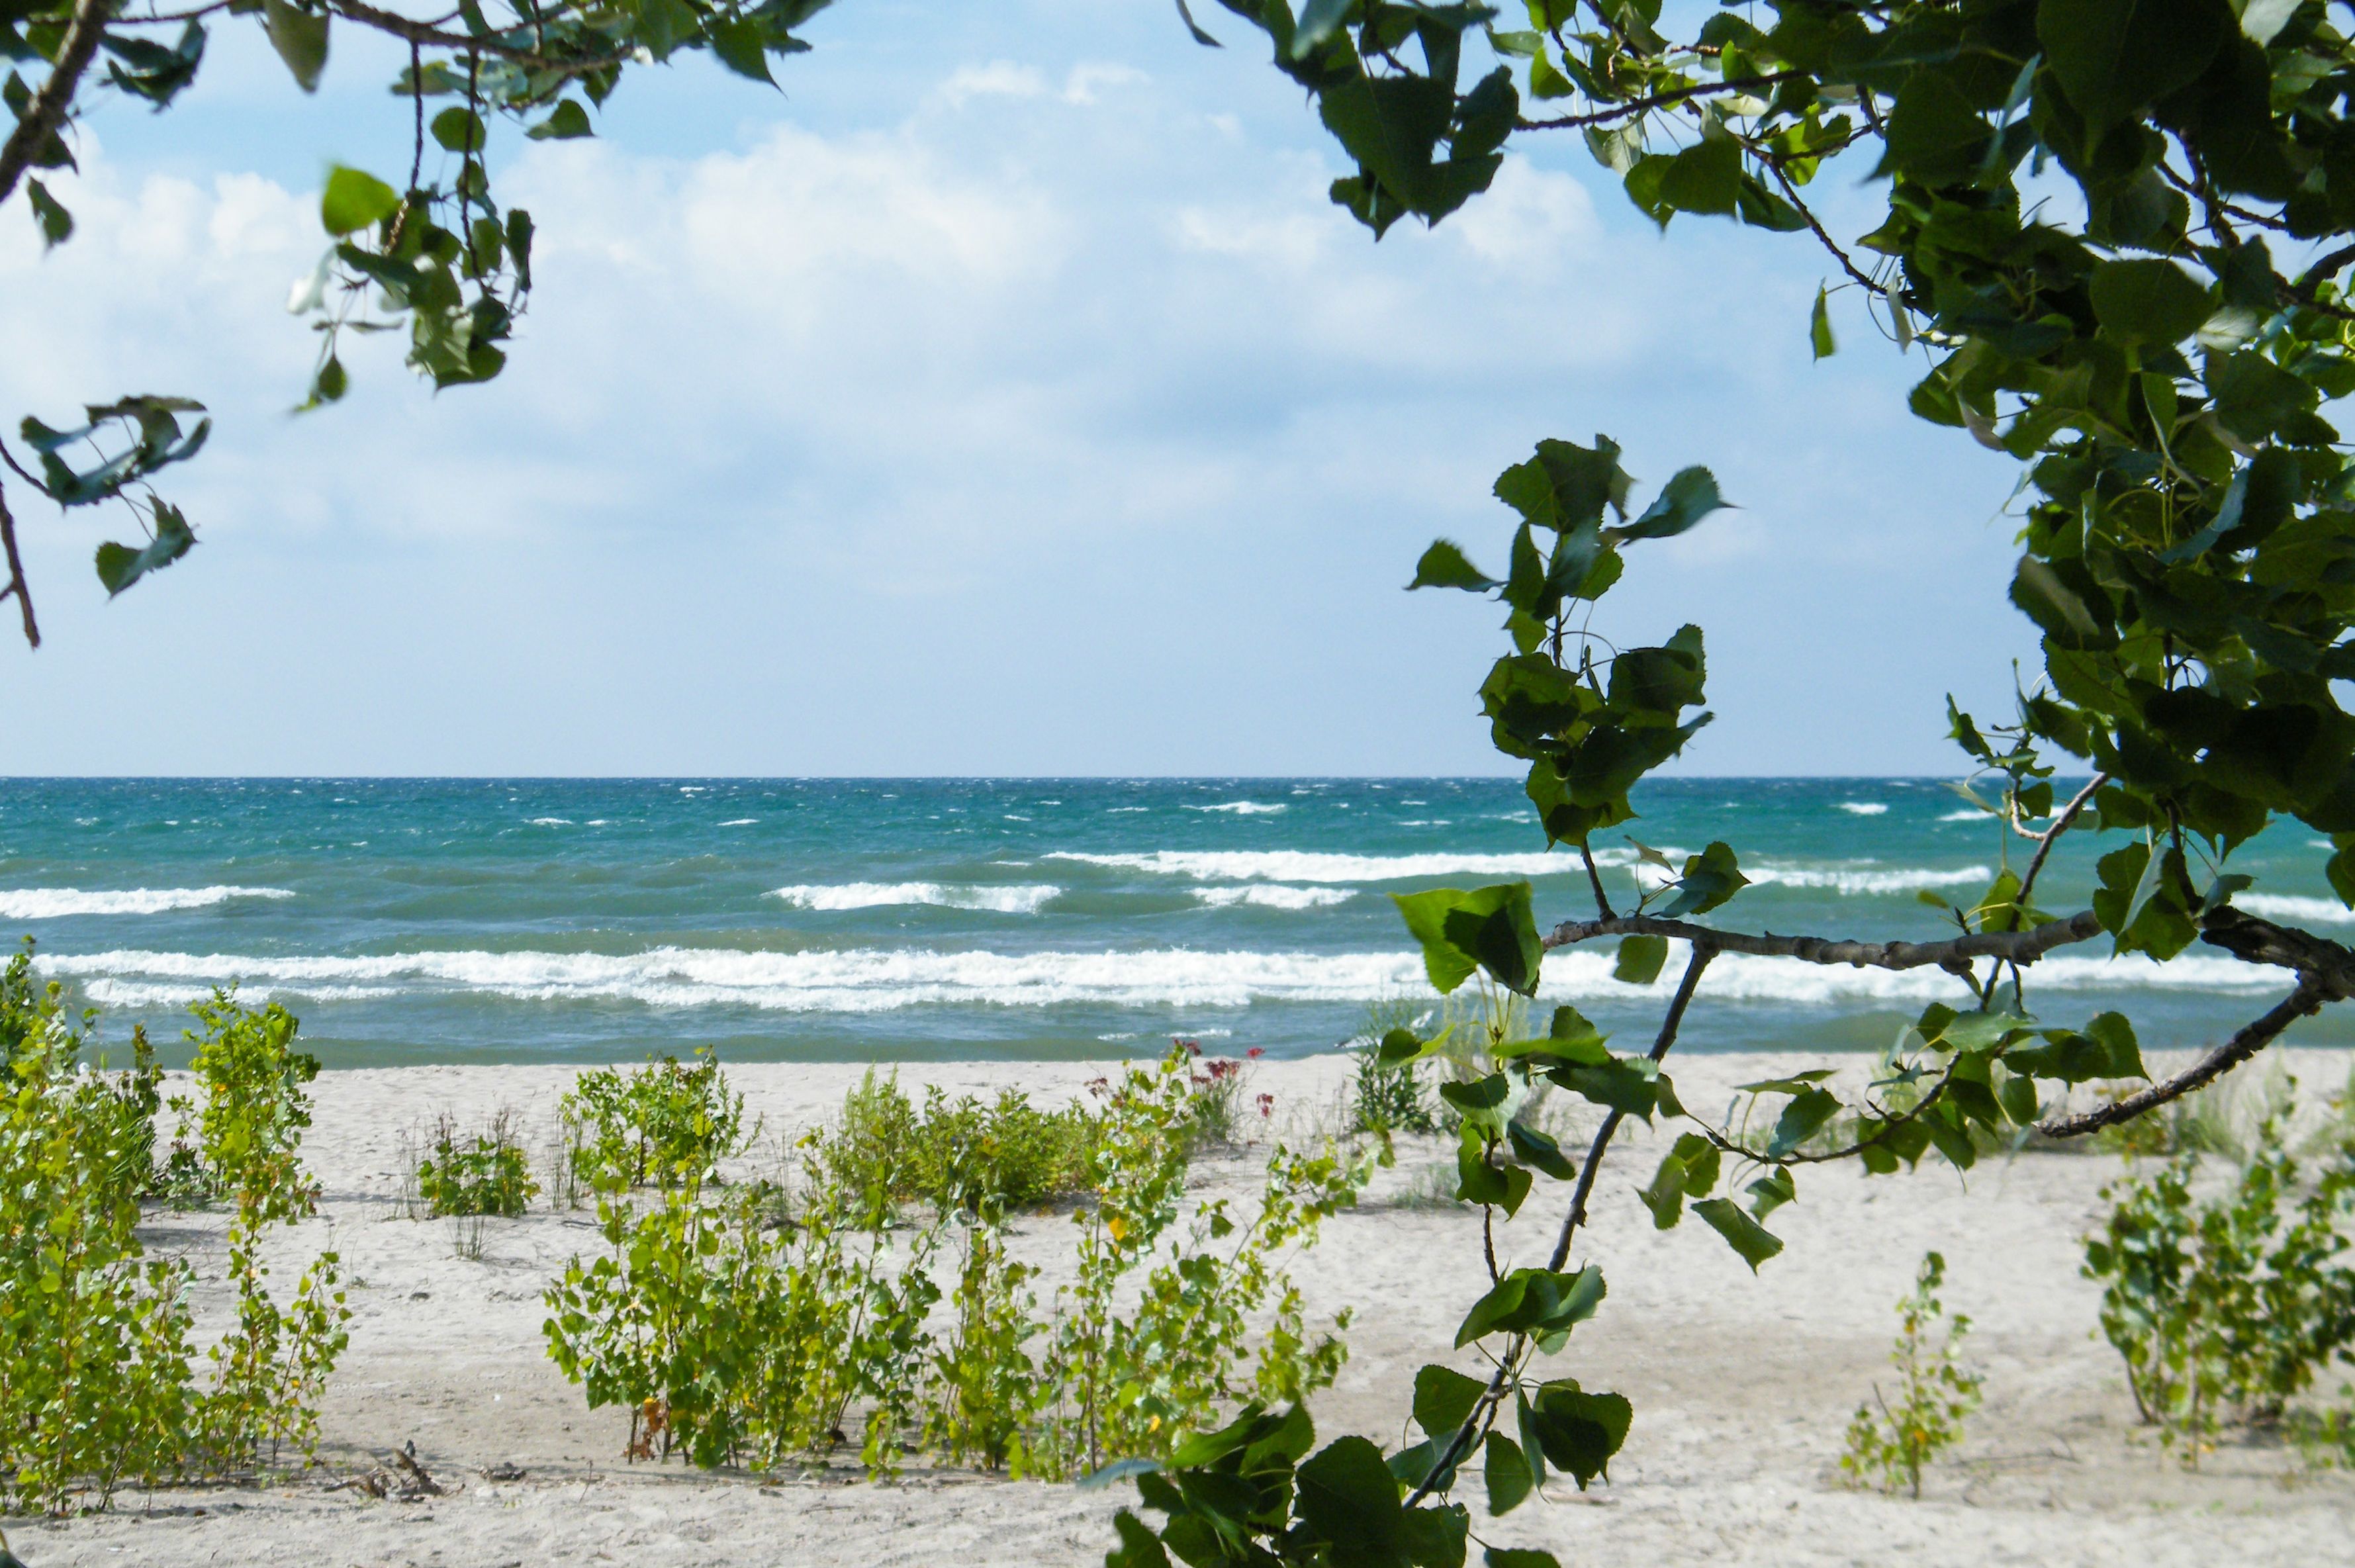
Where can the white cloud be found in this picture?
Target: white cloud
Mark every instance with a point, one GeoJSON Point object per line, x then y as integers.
{"type": "Point", "coordinates": [998, 78]}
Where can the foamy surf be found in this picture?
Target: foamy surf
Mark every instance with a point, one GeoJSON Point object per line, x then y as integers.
{"type": "Point", "coordinates": [2296, 910]}
{"type": "Point", "coordinates": [53, 903]}
{"type": "Point", "coordinates": [1018, 900]}
{"type": "Point", "coordinates": [1275, 896]}
{"type": "Point", "coordinates": [1241, 807]}
{"type": "Point", "coordinates": [867, 980]}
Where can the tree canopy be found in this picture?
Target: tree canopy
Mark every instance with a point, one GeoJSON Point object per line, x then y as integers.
{"type": "Point", "coordinates": [2114, 234]}
{"type": "Point", "coordinates": [438, 258]}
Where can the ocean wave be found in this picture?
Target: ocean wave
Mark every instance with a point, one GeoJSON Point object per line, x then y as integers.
{"type": "Point", "coordinates": [50, 903]}
{"type": "Point", "coordinates": [1864, 807]}
{"type": "Point", "coordinates": [1014, 900]}
{"type": "Point", "coordinates": [2292, 907]}
{"type": "Point", "coordinates": [549, 821]}
{"type": "Point", "coordinates": [1242, 808]}
{"type": "Point", "coordinates": [1901, 880]}
{"type": "Point", "coordinates": [1275, 896]}
{"type": "Point", "coordinates": [865, 980]}
{"type": "Point", "coordinates": [1967, 816]}
{"type": "Point", "coordinates": [1322, 866]}
{"type": "Point", "coordinates": [739, 822]}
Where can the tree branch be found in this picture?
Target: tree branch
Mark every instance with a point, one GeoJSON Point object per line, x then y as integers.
{"type": "Point", "coordinates": [16, 583]}
{"type": "Point", "coordinates": [2012, 946]}
{"type": "Point", "coordinates": [1791, 193]}
{"type": "Point", "coordinates": [1673, 95]}
{"type": "Point", "coordinates": [360, 14]}
{"type": "Point", "coordinates": [1594, 879]}
{"type": "Point", "coordinates": [1501, 1383]}
{"type": "Point", "coordinates": [2252, 1038]}
{"type": "Point", "coordinates": [2322, 965]}
{"type": "Point", "coordinates": [49, 106]}
{"type": "Point", "coordinates": [2060, 825]}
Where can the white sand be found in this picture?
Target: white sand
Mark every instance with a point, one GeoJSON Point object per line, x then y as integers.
{"type": "Point", "coordinates": [1743, 1386]}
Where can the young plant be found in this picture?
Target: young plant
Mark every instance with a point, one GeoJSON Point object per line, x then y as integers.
{"type": "Point", "coordinates": [2226, 1309]}
{"type": "Point", "coordinates": [1892, 1443]}
{"type": "Point", "coordinates": [484, 1172]}
{"type": "Point", "coordinates": [662, 1124]}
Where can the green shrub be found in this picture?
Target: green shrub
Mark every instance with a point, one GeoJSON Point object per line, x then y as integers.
{"type": "Point", "coordinates": [735, 1337]}
{"type": "Point", "coordinates": [97, 1384]}
{"type": "Point", "coordinates": [1390, 1099]}
{"type": "Point", "coordinates": [1893, 1444]}
{"type": "Point", "coordinates": [2227, 1308]}
{"type": "Point", "coordinates": [484, 1172]}
{"type": "Point", "coordinates": [959, 1154]}
{"type": "Point", "coordinates": [659, 1124]}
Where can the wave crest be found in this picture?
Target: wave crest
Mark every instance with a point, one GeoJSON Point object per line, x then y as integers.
{"type": "Point", "coordinates": [1018, 900]}
{"type": "Point", "coordinates": [50, 903]}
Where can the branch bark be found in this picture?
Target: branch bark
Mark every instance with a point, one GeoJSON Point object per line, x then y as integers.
{"type": "Point", "coordinates": [2306, 999]}
{"type": "Point", "coordinates": [2012, 946]}
{"type": "Point", "coordinates": [2053, 835]}
{"type": "Point", "coordinates": [50, 104]}
{"type": "Point", "coordinates": [16, 583]}
{"type": "Point", "coordinates": [1673, 95]}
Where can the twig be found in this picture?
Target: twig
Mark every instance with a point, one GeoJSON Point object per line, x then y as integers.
{"type": "Point", "coordinates": [1594, 878]}
{"type": "Point", "coordinates": [2060, 825]}
{"type": "Point", "coordinates": [2306, 999]}
{"type": "Point", "coordinates": [1483, 1408]}
{"type": "Point", "coordinates": [47, 110]}
{"type": "Point", "coordinates": [2016, 947]}
{"type": "Point", "coordinates": [1660, 100]}
{"type": "Point", "coordinates": [16, 583]}
{"type": "Point", "coordinates": [1791, 193]}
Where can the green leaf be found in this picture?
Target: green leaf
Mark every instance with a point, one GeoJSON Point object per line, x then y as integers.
{"type": "Point", "coordinates": [1820, 328]}
{"type": "Point", "coordinates": [2115, 58]}
{"type": "Point", "coordinates": [1801, 1120]}
{"type": "Point", "coordinates": [1489, 928]}
{"type": "Point", "coordinates": [57, 223]}
{"type": "Point", "coordinates": [1138, 1548]}
{"type": "Point", "coordinates": [1202, 37]}
{"type": "Point", "coordinates": [1742, 1233]}
{"type": "Point", "coordinates": [2148, 301]}
{"type": "Point", "coordinates": [1518, 1556]}
{"type": "Point", "coordinates": [1629, 1084]}
{"type": "Point", "coordinates": [1539, 1151]}
{"type": "Point", "coordinates": [567, 122]}
{"type": "Point", "coordinates": [1771, 1191]}
{"type": "Point", "coordinates": [741, 45]}
{"type": "Point", "coordinates": [1640, 959]}
{"type": "Point", "coordinates": [1710, 879]}
{"type": "Point", "coordinates": [1348, 1497]}
{"type": "Point", "coordinates": [1688, 497]}
{"type": "Point", "coordinates": [1665, 1195]}
{"type": "Point", "coordinates": [301, 39]}
{"type": "Point", "coordinates": [1581, 1431]}
{"type": "Point", "coordinates": [353, 200]}
{"type": "Point", "coordinates": [1533, 1301]}
{"type": "Point", "coordinates": [458, 129]}
{"type": "Point", "coordinates": [1443, 1398]}
{"type": "Point", "coordinates": [120, 566]}
{"type": "Point", "coordinates": [1443, 565]}
{"type": "Point", "coordinates": [1506, 1471]}
{"type": "Point", "coordinates": [1319, 20]}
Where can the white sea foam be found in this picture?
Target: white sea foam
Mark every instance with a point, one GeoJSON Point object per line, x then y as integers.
{"type": "Point", "coordinates": [1242, 807]}
{"type": "Point", "coordinates": [1853, 880]}
{"type": "Point", "coordinates": [1864, 807]}
{"type": "Point", "coordinates": [739, 822]}
{"type": "Point", "coordinates": [1275, 896]}
{"type": "Point", "coordinates": [1967, 816]}
{"type": "Point", "coordinates": [873, 980]}
{"type": "Point", "coordinates": [550, 821]}
{"type": "Point", "coordinates": [2291, 907]}
{"type": "Point", "coordinates": [49, 903]}
{"type": "Point", "coordinates": [1014, 900]}
{"type": "Point", "coordinates": [1320, 866]}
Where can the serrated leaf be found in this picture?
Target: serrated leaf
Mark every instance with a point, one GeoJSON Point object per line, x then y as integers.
{"type": "Point", "coordinates": [1751, 1240]}
{"type": "Point", "coordinates": [120, 566]}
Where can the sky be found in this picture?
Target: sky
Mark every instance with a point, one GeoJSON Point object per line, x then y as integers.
{"type": "Point", "coordinates": [1004, 397]}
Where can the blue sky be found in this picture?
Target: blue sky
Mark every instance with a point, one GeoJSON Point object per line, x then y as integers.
{"type": "Point", "coordinates": [1003, 397]}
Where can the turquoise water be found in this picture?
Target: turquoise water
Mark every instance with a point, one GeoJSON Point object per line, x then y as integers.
{"type": "Point", "coordinates": [591, 920]}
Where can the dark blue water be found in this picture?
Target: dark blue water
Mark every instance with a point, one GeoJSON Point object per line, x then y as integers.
{"type": "Point", "coordinates": [533, 920]}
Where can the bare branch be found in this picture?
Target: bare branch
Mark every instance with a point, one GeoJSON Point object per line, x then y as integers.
{"type": "Point", "coordinates": [2060, 825]}
{"type": "Point", "coordinates": [2306, 999]}
{"type": "Point", "coordinates": [54, 100]}
{"type": "Point", "coordinates": [2013, 946]}
{"type": "Point", "coordinates": [1791, 193]}
{"type": "Point", "coordinates": [2322, 965]}
{"type": "Point", "coordinates": [366, 16]}
{"type": "Point", "coordinates": [16, 583]}
{"type": "Point", "coordinates": [1673, 95]}
{"type": "Point", "coordinates": [1594, 879]}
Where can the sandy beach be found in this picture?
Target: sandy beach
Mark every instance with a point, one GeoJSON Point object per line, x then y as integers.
{"type": "Point", "coordinates": [1743, 1386]}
